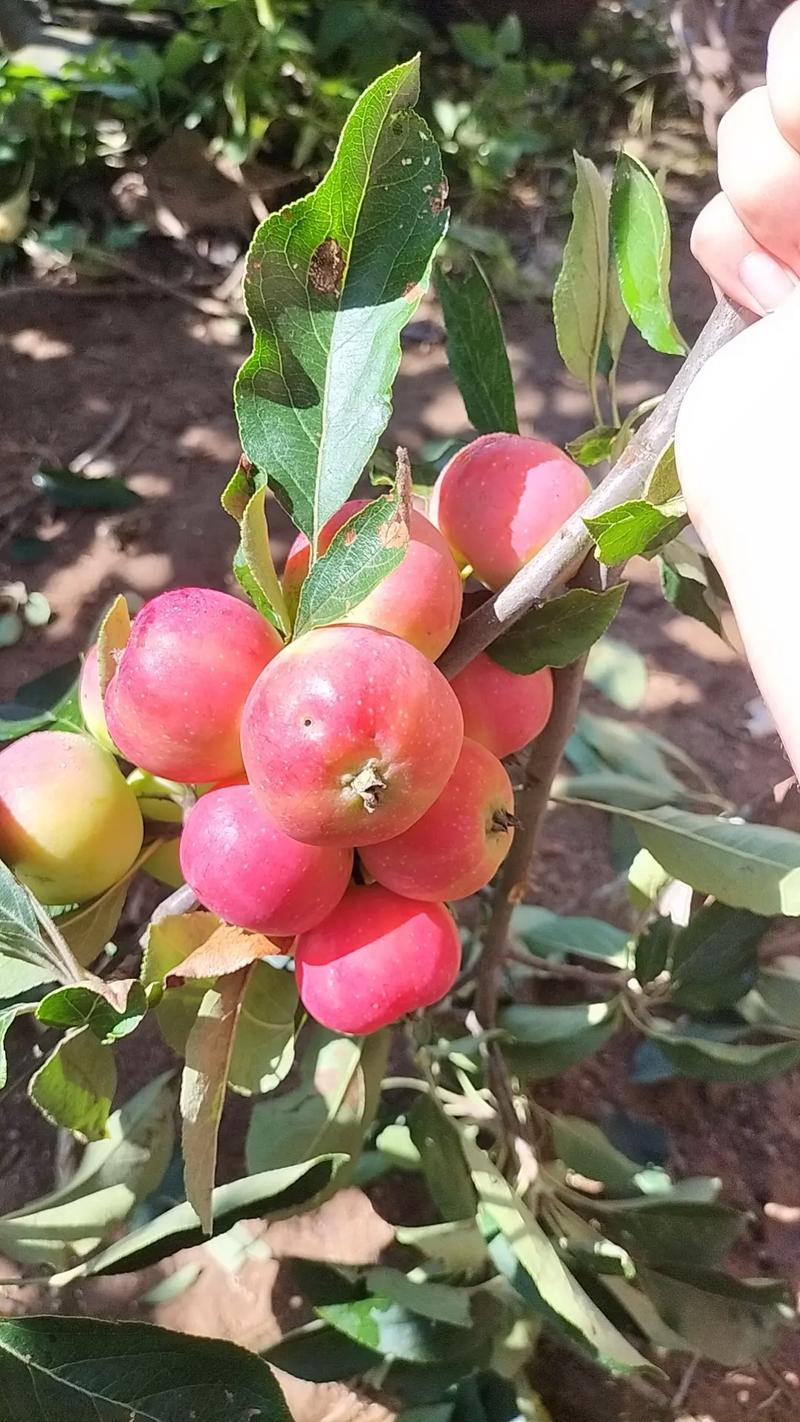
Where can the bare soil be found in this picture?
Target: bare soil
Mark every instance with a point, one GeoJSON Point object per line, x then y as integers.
{"type": "Point", "coordinates": [71, 363]}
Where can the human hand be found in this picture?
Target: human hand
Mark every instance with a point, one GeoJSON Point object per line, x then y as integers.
{"type": "Point", "coordinates": [736, 439]}
{"type": "Point", "coordinates": [748, 236]}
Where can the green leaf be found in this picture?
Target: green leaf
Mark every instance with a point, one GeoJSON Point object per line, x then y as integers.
{"type": "Point", "coordinates": [732, 1321]}
{"type": "Point", "coordinates": [88, 928]}
{"type": "Point", "coordinates": [271, 1194]}
{"type": "Point", "coordinates": [75, 1086]}
{"type": "Point", "coordinates": [747, 866]}
{"type": "Point", "coordinates": [6, 1019]}
{"type": "Point", "coordinates": [476, 348]}
{"type": "Point", "coordinates": [622, 532]}
{"type": "Point", "coordinates": [554, 934]}
{"type": "Point", "coordinates": [612, 790]}
{"type": "Point", "coordinates": [253, 564]}
{"type": "Point", "coordinates": [205, 1079]}
{"type": "Point", "coordinates": [330, 1109]}
{"type": "Point", "coordinates": [583, 1147]}
{"type": "Point", "coordinates": [715, 958]}
{"type": "Point", "coordinates": [395, 1332]}
{"type": "Point", "coordinates": [20, 933]}
{"type": "Point", "coordinates": [50, 701]}
{"type": "Point", "coordinates": [593, 446]}
{"type": "Point", "coordinates": [331, 280]}
{"type": "Point", "coordinates": [537, 1272]}
{"type": "Point", "coordinates": [619, 671]}
{"type": "Point", "coordinates": [712, 1060]}
{"type": "Point", "coordinates": [18, 978]}
{"type": "Point", "coordinates": [781, 991]}
{"type": "Point", "coordinates": [319, 1353]}
{"type": "Point", "coordinates": [616, 323]}
{"type": "Point", "coordinates": [688, 585]}
{"type": "Point", "coordinates": [636, 751]}
{"type": "Point", "coordinates": [457, 1244]}
{"type": "Point", "coordinates": [442, 1160]}
{"type": "Point", "coordinates": [642, 246]}
{"type": "Point", "coordinates": [77, 1369]}
{"type": "Point", "coordinates": [653, 949]}
{"type": "Point", "coordinates": [114, 1174]}
{"type": "Point", "coordinates": [65, 489]}
{"type": "Point", "coordinates": [263, 1048]}
{"type": "Point", "coordinates": [75, 1007]}
{"type": "Point", "coordinates": [663, 1232]}
{"type": "Point", "coordinates": [581, 291]}
{"type": "Point", "coordinates": [544, 1041]}
{"type": "Point", "coordinates": [663, 483]}
{"type": "Point", "coordinates": [368, 546]}
{"type": "Point", "coordinates": [558, 632]}
{"type": "Point", "coordinates": [442, 1303]}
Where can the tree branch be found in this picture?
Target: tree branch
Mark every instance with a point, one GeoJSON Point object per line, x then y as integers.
{"type": "Point", "coordinates": [565, 551]}
{"type": "Point", "coordinates": [544, 759]}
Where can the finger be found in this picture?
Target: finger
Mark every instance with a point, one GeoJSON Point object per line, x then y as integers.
{"type": "Point", "coordinates": [783, 68]}
{"type": "Point", "coordinates": [759, 172]}
{"type": "Point", "coordinates": [734, 261]}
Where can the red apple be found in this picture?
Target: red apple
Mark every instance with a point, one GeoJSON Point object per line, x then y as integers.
{"type": "Point", "coordinates": [419, 601]}
{"type": "Point", "coordinates": [175, 702]}
{"type": "Point", "coordinates": [459, 843]}
{"type": "Point", "coordinates": [503, 710]}
{"type": "Point", "coordinates": [375, 958]}
{"type": "Point", "coordinates": [245, 869]}
{"type": "Point", "coordinates": [70, 826]}
{"type": "Point", "coordinates": [349, 735]}
{"type": "Point", "coordinates": [500, 498]}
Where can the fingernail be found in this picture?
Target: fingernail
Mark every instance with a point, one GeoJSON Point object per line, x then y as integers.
{"type": "Point", "coordinates": [766, 280]}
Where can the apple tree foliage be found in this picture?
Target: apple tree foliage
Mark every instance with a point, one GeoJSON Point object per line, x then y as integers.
{"type": "Point", "coordinates": [596, 1243]}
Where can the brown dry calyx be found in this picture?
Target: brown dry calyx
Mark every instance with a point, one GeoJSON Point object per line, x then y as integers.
{"type": "Point", "coordinates": [369, 784]}
{"type": "Point", "coordinates": [502, 821]}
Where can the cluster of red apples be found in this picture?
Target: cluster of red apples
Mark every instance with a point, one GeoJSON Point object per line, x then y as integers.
{"type": "Point", "coordinates": [345, 791]}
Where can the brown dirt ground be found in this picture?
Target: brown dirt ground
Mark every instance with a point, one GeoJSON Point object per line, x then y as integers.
{"type": "Point", "coordinates": [70, 364]}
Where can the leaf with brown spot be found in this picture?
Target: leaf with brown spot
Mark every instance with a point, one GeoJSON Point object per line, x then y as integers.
{"type": "Point", "coordinates": [331, 280]}
{"type": "Point", "coordinates": [326, 268]}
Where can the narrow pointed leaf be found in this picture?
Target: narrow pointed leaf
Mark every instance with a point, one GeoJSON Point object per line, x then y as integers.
{"type": "Point", "coordinates": [544, 1279]}
{"type": "Point", "coordinates": [641, 240]}
{"type": "Point", "coordinates": [476, 348]}
{"type": "Point", "coordinates": [112, 637]}
{"type": "Point", "coordinates": [330, 282]}
{"type": "Point", "coordinates": [253, 564]}
{"type": "Point", "coordinates": [581, 291]}
{"type": "Point", "coordinates": [272, 1194]}
{"type": "Point", "coordinates": [205, 1080]}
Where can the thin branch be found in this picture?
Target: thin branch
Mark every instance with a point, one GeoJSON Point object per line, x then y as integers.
{"type": "Point", "coordinates": [594, 978]}
{"type": "Point", "coordinates": [565, 551]}
{"type": "Point", "coordinates": [543, 762]}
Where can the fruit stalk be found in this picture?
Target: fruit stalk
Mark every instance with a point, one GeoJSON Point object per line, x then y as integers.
{"type": "Point", "coordinates": [565, 551]}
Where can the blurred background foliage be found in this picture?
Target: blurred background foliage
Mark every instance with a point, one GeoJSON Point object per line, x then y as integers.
{"type": "Point", "coordinates": [91, 90]}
